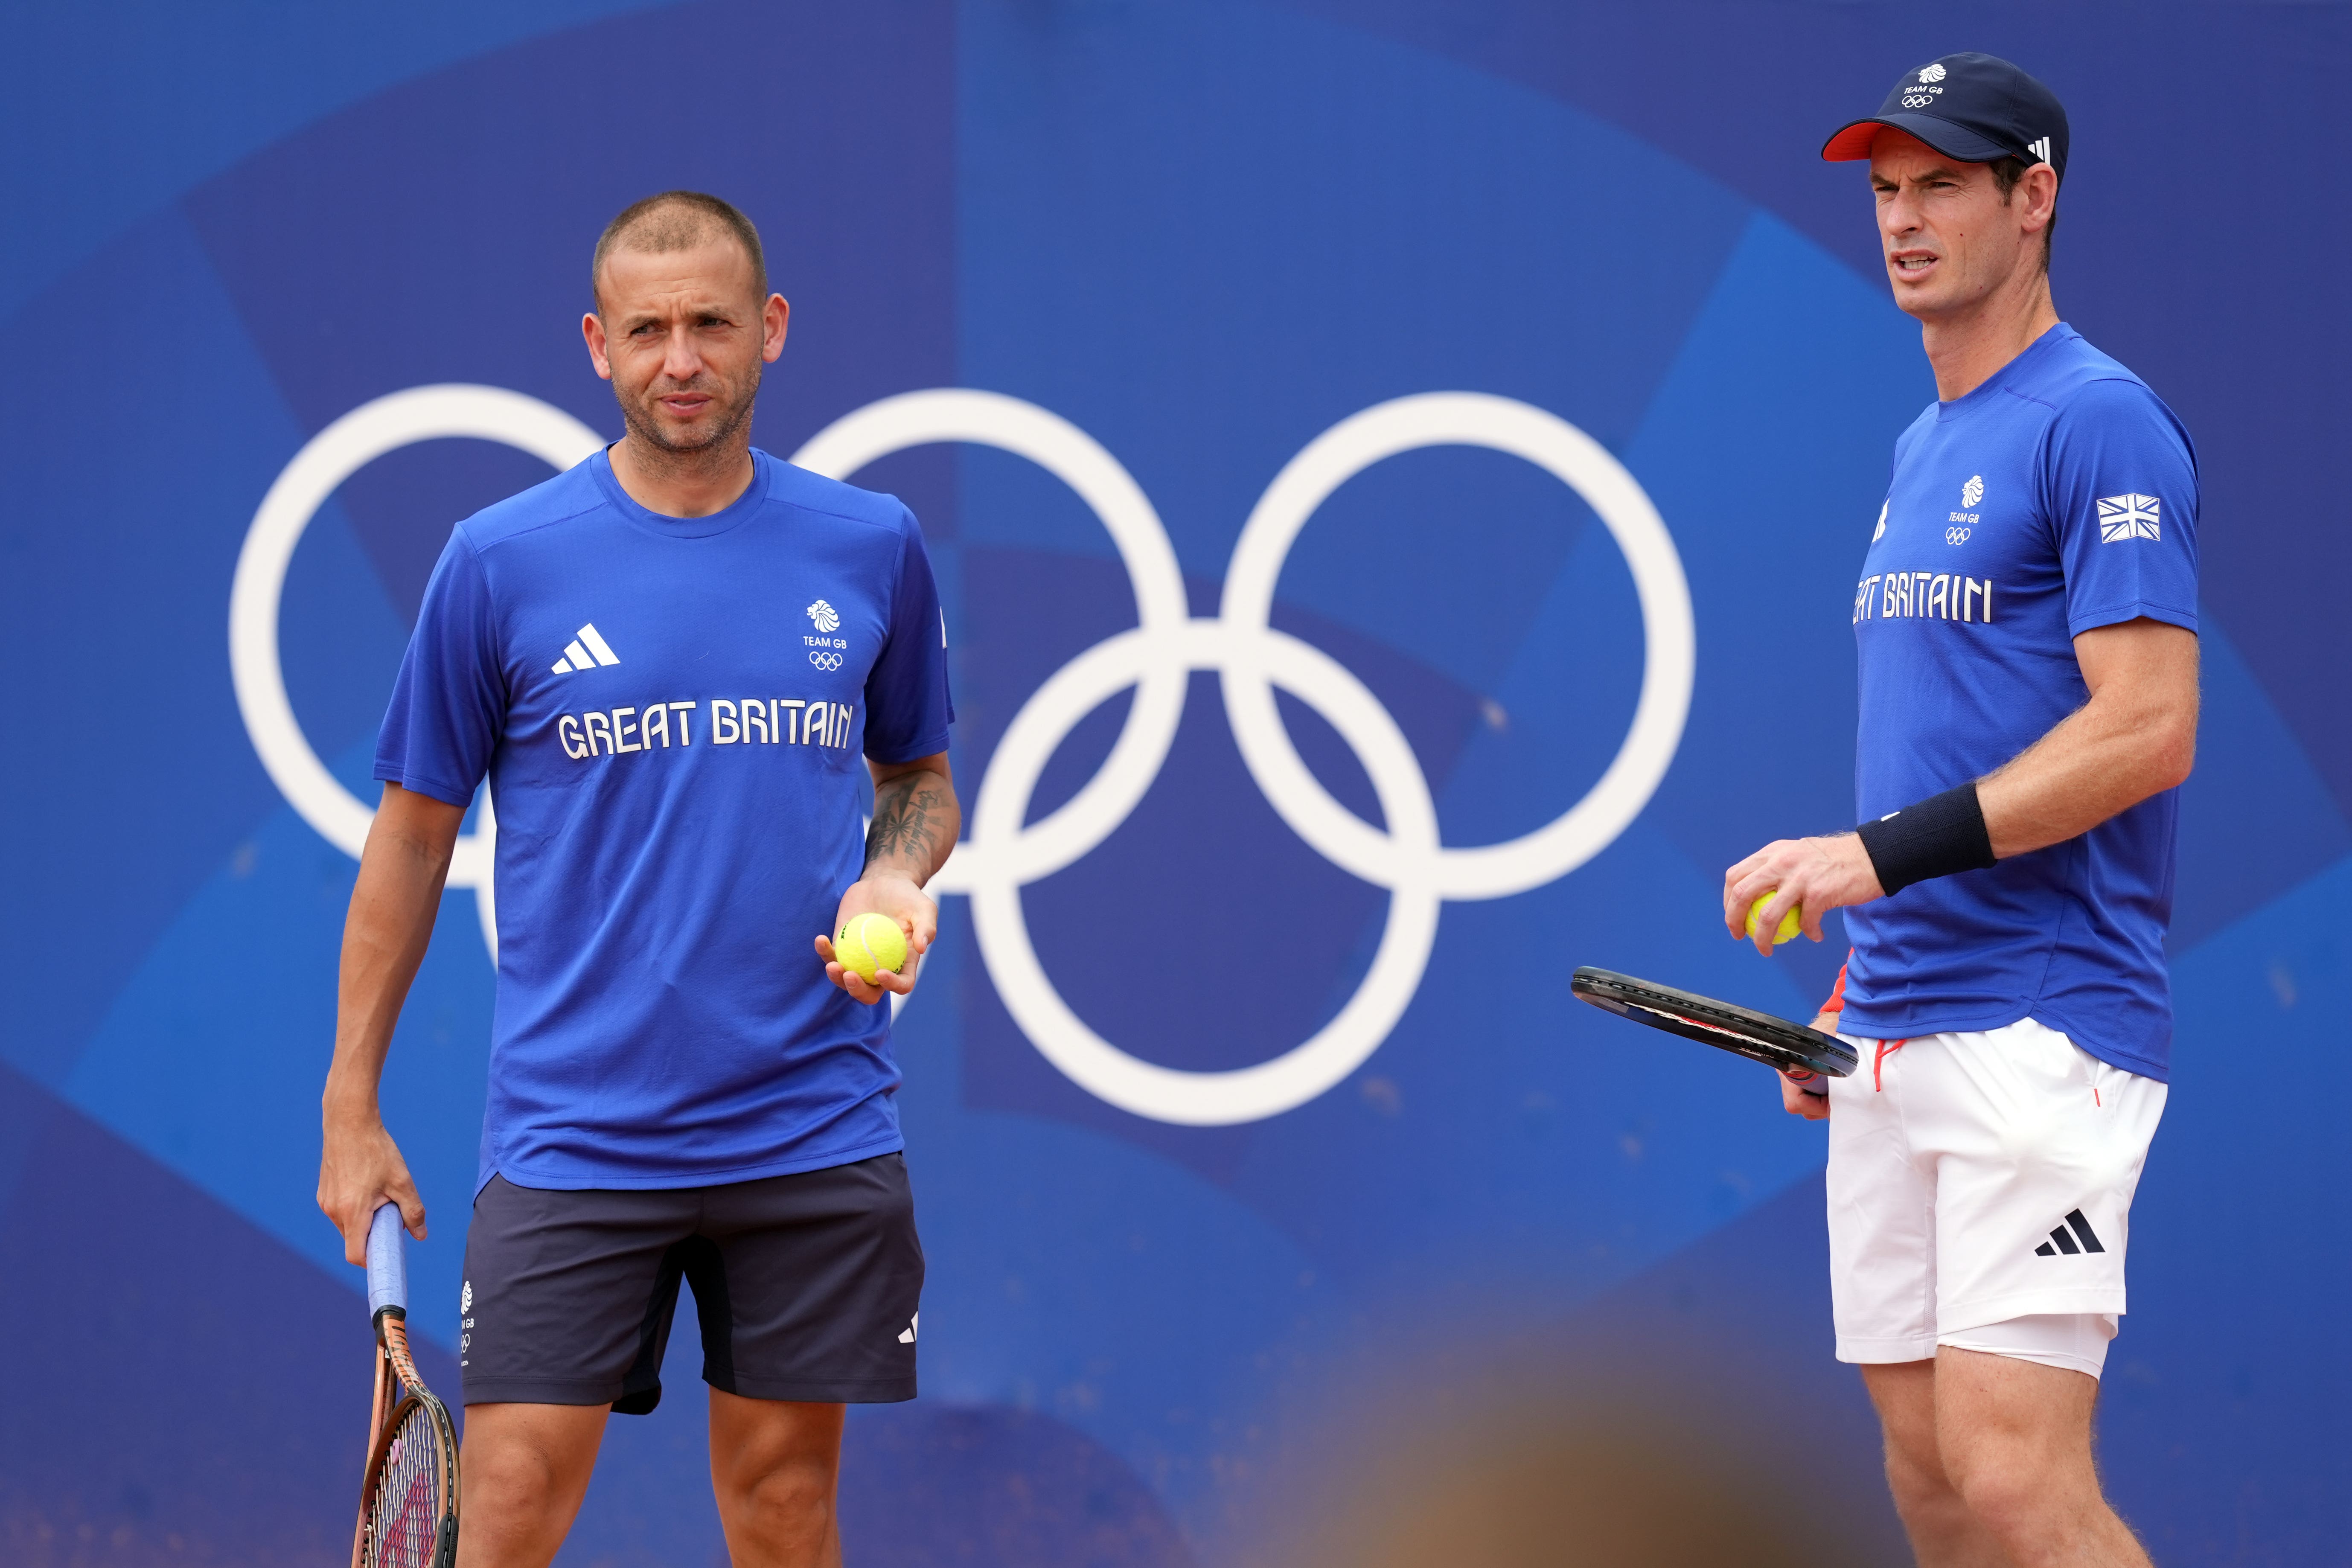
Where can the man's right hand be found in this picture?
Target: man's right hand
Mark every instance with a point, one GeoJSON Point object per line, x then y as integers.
{"type": "Point", "coordinates": [402, 868]}
{"type": "Point", "coordinates": [1793, 1097]}
{"type": "Point", "coordinates": [360, 1171]}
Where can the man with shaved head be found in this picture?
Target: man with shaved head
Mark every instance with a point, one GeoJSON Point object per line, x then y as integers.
{"type": "Point", "coordinates": [667, 663]}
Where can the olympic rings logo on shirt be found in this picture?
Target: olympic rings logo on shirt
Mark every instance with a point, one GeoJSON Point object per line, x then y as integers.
{"type": "Point", "coordinates": [1001, 853]}
{"type": "Point", "coordinates": [1956, 536]}
{"type": "Point", "coordinates": [824, 660]}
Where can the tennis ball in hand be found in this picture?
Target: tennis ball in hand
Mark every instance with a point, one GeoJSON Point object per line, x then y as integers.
{"type": "Point", "coordinates": [870, 943]}
{"type": "Point", "coordinates": [1790, 924]}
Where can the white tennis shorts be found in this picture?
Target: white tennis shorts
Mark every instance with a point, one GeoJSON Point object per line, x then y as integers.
{"type": "Point", "coordinates": [1978, 1178]}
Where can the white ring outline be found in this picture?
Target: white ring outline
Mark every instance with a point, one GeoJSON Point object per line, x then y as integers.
{"type": "Point", "coordinates": [384, 425]}
{"type": "Point", "coordinates": [1669, 637]}
{"type": "Point", "coordinates": [1000, 854]}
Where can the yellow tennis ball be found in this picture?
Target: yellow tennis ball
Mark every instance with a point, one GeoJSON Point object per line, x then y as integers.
{"type": "Point", "coordinates": [870, 943]}
{"type": "Point", "coordinates": [1790, 924]}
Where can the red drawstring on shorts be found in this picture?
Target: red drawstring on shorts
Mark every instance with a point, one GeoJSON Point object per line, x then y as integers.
{"type": "Point", "coordinates": [1878, 1066]}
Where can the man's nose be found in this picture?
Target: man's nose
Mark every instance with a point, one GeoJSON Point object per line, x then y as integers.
{"type": "Point", "coordinates": [680, 361]}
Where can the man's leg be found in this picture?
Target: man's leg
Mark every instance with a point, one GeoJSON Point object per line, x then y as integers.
{"type": "Point", "coordinates": [523, 1470]}
{"type": "Point", "coordinates": [773, 1465]}
{"type": "Point", "coordinates": [1944, 1533]}
{"type": "Point", "coordinates": [2015, 1439]}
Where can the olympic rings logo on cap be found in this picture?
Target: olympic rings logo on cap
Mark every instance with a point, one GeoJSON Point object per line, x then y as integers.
{"type": "Point", "coordinates": [1000, 853]}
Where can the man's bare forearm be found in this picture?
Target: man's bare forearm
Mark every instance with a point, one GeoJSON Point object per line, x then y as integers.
{"type": "Point", "coordinates": [916, 821]}
{"type": "Point", "coordinates": [2134, 738]}
{"type": "Point", "coordinates": [402, 870]}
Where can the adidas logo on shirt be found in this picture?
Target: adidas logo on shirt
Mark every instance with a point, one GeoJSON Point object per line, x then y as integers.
{"type": "Point", "coordinates": [584, 649]}
{"type": "Point", "coordinates": [907, 1334]}
{"type": "Point", "coordinates": [2062, 1243]}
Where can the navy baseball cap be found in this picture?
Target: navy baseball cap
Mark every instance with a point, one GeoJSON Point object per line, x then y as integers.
{"type": "Point", "coordinates": [1975, 108]}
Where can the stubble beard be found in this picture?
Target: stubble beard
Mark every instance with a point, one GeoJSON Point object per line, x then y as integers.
{"type": "Point", "coordinates": [719, 444]}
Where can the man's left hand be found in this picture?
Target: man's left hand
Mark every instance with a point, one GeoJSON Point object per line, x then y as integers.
{"type": "Point", "coordinates": [1812, 876]}
{"type": "Point", "coordinates": [896, 898]}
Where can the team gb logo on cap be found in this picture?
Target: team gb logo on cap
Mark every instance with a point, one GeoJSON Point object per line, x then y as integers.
{"type": "Point", "coordinates": [1931, 73]}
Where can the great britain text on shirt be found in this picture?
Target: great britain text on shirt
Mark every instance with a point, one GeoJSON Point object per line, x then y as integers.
{"type": "Point", "coordinates": [744, 721]}
{"type": "Point", "coordinates": [1938, 595]}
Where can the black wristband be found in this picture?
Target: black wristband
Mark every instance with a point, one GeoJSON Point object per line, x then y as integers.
{"type": "Point", "coordinates": [1934, 837]}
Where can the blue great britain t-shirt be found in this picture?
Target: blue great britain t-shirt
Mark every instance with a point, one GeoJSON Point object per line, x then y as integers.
{"type": "Point", "coordinates": [2058, 496]}
{"type": "Point", "coordinates": [672, 712]}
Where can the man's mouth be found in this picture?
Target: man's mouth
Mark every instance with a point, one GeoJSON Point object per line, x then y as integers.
{"type": "Point", "coordinates": [1913, 263]}
{"type": "Point", "coordinates": [685, 405]}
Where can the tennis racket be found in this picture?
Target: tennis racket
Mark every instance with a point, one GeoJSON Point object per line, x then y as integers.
{"type": "Point", "coordinates": [408, 1503]}
{"type": "Point", "coordinates": [1792, 1048]}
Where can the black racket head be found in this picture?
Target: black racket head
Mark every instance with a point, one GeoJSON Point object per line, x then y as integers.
{"type": "Point", "coordinates": [1760, 1036]}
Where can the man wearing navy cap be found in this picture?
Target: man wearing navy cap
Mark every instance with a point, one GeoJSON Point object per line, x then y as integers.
{"type": "Point", "coordinates": [2025, 622]}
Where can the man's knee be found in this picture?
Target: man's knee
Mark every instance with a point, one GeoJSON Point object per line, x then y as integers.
{"type": "Point", "coordinates": [2008, 1489]}
{"type": "Point", "coordinates": [525, 1469]}
{"type": "Point", "coordinates": [776, 1464]}
{"type": "Point", "coordinates": [795, 1492]}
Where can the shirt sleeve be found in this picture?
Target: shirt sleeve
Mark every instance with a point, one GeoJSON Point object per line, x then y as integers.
{"type": "Point", "coordinates": [2122, 478]}
{"type": "Point", "coordinates": [907, 709]}
{"type": "Point", "coordinates": [448, 707]}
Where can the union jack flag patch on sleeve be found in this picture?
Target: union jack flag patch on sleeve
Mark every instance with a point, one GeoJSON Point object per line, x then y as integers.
{"type": "Point", "coordinates": [2127, 516]}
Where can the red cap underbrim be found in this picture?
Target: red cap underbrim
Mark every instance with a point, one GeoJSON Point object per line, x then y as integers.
{"type": "Point", "coordinates": [1851, 143]}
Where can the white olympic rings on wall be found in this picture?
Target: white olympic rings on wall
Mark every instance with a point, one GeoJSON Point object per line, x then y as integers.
{"type": "Point", "coordinates": [1000, 854]}
{"type": "Point", "coordinates": [325, 461]}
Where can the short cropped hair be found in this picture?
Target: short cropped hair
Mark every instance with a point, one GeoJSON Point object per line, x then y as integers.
{"type": "Point", "coordinates": [2006, 173]}
{"type": "Point", "coordinates": [677, 220]}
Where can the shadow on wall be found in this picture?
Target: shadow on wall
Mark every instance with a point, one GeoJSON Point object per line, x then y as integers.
{"type": "Point", "coordinates": [1563, 1483]}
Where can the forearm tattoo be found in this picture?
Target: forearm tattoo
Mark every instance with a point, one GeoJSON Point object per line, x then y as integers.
{"type": "Point", "coordinates": [905, 810]}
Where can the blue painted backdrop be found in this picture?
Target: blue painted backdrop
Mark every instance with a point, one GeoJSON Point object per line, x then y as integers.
{"type": "Point", "coordinates": [1203, 232]}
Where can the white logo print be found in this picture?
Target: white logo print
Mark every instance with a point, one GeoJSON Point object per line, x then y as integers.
{"type": "Point", "coordinates": [907, 1334]}
{"type": "Point", "coordinates": [1880, 532]}
{"type": "Point", "coordinates": [2040, 148]}
{"type": "Point", "coordinates": [576, 657]}
{"type": "Point", "coordinates": [466, 1298]}
{"type": "Point", "coordinates": [1973, 492]}
{"type": "Point", "coordinates": [1931, 73]}
{"type": "Point", "coordinates": [2127, 516]}
{"type": "Point", "coordinates": [824, 659]}
{"type": "Point", "coordinates": [824, 616]}
{"type": "Point", "coordinates": [1004, 850]}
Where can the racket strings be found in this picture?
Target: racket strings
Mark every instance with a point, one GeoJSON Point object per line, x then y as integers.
{"type": "Point", "coordinates": [404, 1525]}
{"type": "Point", "coordinates": [414, 1488]}
{"type": "Point", "coordinates": [1697, 1022]}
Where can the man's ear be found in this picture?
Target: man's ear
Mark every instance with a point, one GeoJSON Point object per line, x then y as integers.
{"type": "Point", "coordinates": [2039, 190]}
{"type": "Point", "coordinates": [775, 319]}
{"type": "Point", "coordinates": [591, 328]}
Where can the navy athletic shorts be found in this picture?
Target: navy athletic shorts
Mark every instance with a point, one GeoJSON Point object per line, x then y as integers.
{"type": "Point", "coordinates": [807, 1287]}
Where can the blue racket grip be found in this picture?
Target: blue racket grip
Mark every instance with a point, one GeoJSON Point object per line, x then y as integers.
{"type": "Point", "coordinates": [387, 1266]}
